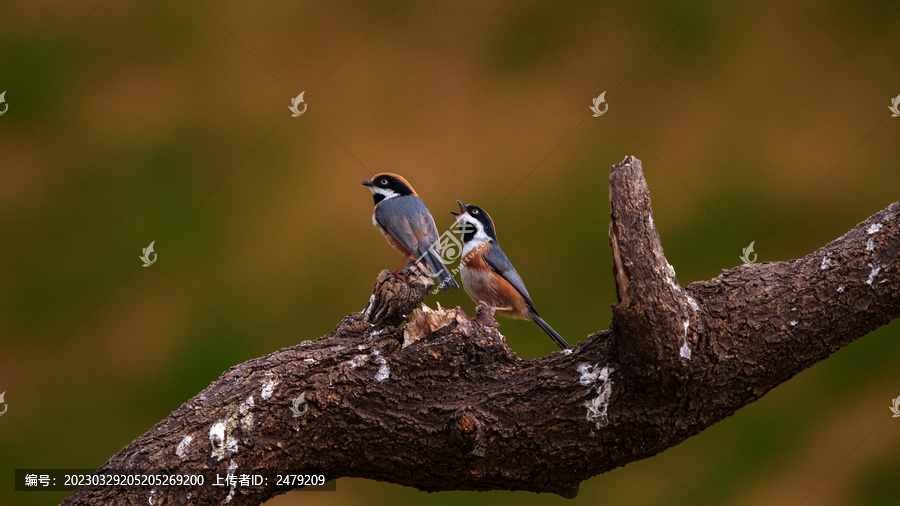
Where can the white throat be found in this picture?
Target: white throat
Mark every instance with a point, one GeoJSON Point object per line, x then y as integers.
{"type": "Point", "coordinates": [479, 239]}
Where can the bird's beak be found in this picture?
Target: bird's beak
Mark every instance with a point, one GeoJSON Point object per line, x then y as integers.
{"type": "Point", "coordinates": [462, 209]}
{"type": "Point", "coordinates": [367, 182]}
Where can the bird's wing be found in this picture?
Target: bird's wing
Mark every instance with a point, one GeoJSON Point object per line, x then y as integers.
{"type": "Point", "coordinates": [427, 229]}
{"type": "Point", "coordinates": [397, 216]}
{"type": "Point", "coordinates": [497, 261]}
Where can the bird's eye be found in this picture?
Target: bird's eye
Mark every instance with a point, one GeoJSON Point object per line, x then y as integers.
{"type": "Point", "coordinates": [475, 211]}
{"type": "Point", "coordinates": [383, 182]}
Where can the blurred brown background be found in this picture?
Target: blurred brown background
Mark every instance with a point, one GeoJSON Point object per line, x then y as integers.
{"type": "Point", "coordinates": [168, 121]}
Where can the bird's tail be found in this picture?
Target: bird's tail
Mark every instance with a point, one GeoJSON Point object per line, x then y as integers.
{"type": "Point", "coordinates": [549, 330]}
{"type": "Point", "coordinates": [439, 270]}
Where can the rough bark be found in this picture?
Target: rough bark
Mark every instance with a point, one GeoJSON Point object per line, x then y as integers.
{"type": "Point", "coordinates": [443, 404]}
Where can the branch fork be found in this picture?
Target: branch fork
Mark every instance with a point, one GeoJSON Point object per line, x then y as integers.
{"type": "Point", "coordinates": [444, 404]}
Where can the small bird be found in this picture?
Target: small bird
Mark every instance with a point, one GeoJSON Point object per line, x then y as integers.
{"type": "Point", "coordinates": [401, 216]}
{"type": "Point", "coordinates": [487, 275]}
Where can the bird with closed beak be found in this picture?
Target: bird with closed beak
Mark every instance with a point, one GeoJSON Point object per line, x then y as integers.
{"type": "Point", "coordinates": [487, 274]}
{"type": "Point", "coordinates": [401, 216]}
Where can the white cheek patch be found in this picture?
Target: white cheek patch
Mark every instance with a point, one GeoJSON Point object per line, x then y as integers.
{"type": "Point", "coordinates": [384, 192]}
{"type": "Point", "coordinates": [471, 223]}
{"type": "Point", "coordinates": [478, 240]}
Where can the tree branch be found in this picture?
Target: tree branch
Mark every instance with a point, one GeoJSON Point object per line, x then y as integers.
{"type": "Point", "coordinates": [443, 404]}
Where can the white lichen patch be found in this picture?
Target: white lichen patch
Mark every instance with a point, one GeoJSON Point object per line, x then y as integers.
{"type": "Point", "coordinates": [692, 302]}
{"type": "Point", "coordinates": [873, 228]}
{"type": "Point", "coordinates": [589, 374]}
{"type": "Point", "coordinates": [152, 499]}
{"type": "Point", "coordinates": [875, 270]}
{"type": "Point", "coordinates": [567, 351]}
{"type": "Point", "coordinates": [229, 471]}
{"type": "Point", "coordinates": [246, 417]}
{"type": "Point", "coordinates": [792, 323]}
{"type": "Point", "coordinates": [231, 446]}
{"type": "Point", "coordinates": [870, 245]}
{"type": "Point", "coordinates": [840, 289]}
{"type": "Point", "coordinates": [221, 435]}
{"type": "Point", "coordinates": [268, 389]}
{"type": "Point", "coordinates": [383, 370]}
{"type": "Point", "coordinates": [182, 447]}
{"type": "Point", "coordinates": [308, 360]}
{"type": "Point", "coordinates": [250, 402]}
{"type": "Point", "coordinates": [670, 276]}
{"type": "Point", "coordinates": [685, 351]}
{"type": "Point", "coordinates": [358, 361]}
{"type": "Point", "coordinates": [826, 262]}
{"type": "Point", "coordinates": [217, 440]}
{"type": "Point", "coordinates": [598, 407]}
{"type": "Point", "coordinates": [367, 312]}
{"type": "Point", "coordinates": [650, 219]}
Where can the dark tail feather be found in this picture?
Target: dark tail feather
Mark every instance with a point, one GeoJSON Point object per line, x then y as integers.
{"type": "Point", "coordinates": [550, 332]}
{"type": "Point", "coordinates": [439, 270]}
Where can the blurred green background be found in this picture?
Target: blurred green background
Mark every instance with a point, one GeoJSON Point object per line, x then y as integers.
{"type": "Point", "coordinates": [168, 121]}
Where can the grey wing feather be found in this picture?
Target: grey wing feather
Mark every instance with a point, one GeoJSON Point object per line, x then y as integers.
{"type": "Point", "coordinates": [496, 260]}
{"type": "Point", "coordinates": [395, 216]}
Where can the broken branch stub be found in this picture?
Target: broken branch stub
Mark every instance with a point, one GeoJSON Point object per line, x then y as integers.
{"type": "Point", "coordinates": [654, 312]}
